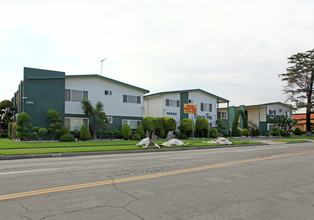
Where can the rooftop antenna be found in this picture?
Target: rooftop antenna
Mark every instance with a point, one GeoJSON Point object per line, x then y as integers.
{"type": "Point", "coordinates": [102, 62]}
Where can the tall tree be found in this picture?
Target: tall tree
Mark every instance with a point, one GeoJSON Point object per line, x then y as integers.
{"type": "Point", "coordinates": [6, 108]}
{"type": "Point", "coordinates": [97, 118]}
{"type": "Point", "coordinates": [299, 82]}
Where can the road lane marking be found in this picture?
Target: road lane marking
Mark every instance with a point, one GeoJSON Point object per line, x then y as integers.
{"type": "Point", "coordinates": [150, 176]}
{"type": "Point", "coordinates": [28, 171]}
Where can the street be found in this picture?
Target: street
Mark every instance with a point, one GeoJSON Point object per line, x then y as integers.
{"type": "Point", "coordinates": [249, 182]}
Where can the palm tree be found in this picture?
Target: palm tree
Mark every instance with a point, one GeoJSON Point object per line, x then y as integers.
{"type": "Point", "coordinates": [97, 118]}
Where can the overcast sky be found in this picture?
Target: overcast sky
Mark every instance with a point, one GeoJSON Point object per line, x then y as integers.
{"type": "Point", "coordinates": [232, 48]}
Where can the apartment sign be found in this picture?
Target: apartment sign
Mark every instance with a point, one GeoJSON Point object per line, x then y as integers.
{"type": "Point", "coordinates": [190, 109]}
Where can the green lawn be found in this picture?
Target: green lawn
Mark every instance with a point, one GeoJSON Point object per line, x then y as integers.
{"type": "Point", "coordinates": [291, 140]}
{"type": "Point", "coordinates": [9, 147]}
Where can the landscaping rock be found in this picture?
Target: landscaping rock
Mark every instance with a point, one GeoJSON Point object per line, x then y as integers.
{"type": "Point", "coordinates": [220, 140]}
{"type": "Point", "coordinates": [146, 142]}
{"type": "Point", "coordinates": [173, 142]}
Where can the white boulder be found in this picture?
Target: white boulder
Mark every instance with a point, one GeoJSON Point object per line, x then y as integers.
{"type": "Point", "coordinates": [220, 140]}
{"type": "Point", "coordinates": [173, 142]}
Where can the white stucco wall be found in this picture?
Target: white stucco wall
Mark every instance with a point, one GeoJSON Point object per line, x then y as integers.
{"type": "Point", "coordinates": [198, 98]}
{"type": "Point", "coordinates": [171, 111]}
{"type": "Point", "coordinates": [284, 109]}
{"type": "Point", "coordinates": [113, 104]}
{"type": "Point", "coordinates": [153, 106]}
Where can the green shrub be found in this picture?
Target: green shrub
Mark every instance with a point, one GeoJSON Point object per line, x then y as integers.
{"type": "Point", "coordinates": [256, 132]}
{"type": "Point", "coordinates": [286, 134]}
{"type": "Point", "coordinates": [182, 135]}
{"type": "Point", "coordinates": [150, 124]}
{"type": "Point", "coordinates": [235, 122]}
{"type": "Point", "coordinates": [186, 126]}
{"type": "Point", "coordinates": [100, 133]}
{"type": "Point", "coordinates": [140, 131]}
{"type": "Point", "coordinates": [76, 133]}
{"type": "Point", "coordinates": [84, 133]}
{"type": "Point", "coordinates": [126, 132]}
{"type": "Point", "coordinates": [213, 133]}
{"type": "Point", "coordinates": [42, 132]}
{"type": "Point", "coordinates": [245, 132]}
{"type": "Point", "coordinates": [23, 125]}
{"type": "Point", "coordinates": [64, 130]}
{"type": "Point", "coordinates": [169, 124]}
{"type": "Point", "coordinates": [4, 135]}
{"type": "Point", "coordinates": [35, 135]}
{"type": "Point", "coordinates": [136, 136]}
{"type": "Point", "coordinates": [297, 131]}
{"type": "Point", "coordinates": [275, 132]}
{"type": "Point", "coordinates": [110, 134]}
{"type": "Point", "coordinates": [117, 134]}
{"type": "Point", "coordinates": [202, 126]}
{"type": "Point", "coordinates": [35, 129]}
{"type": "Point", "coordinates": [266, 133]}
{"type": "Point", "coordinates": [67, 138]}
{"type": "Point", "coordinates": [160, 129]}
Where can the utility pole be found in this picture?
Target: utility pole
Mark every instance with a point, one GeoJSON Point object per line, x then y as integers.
{"type": "Point", "coordinates": [102, 62]}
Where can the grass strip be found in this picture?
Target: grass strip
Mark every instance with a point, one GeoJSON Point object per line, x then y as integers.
{"type": "Point", "coordinates": [291, 140]}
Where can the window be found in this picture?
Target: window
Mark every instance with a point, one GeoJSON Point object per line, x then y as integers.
{"type": "Point", "coordinates": [222, 115]}
{"type": "Point", "coordinates": [107, 92]}
{"type": "Point", "coordinates": [173, 103]}
{"type": "Point", "coordinates": [272, 112]}
{"type": "Point", "coordinates": [133, 123]}
{"type": "Point", "coordinates": [190, 101]}
{"type": "Point", "coordinates": [75, 95]}
{"type": "Point", "coordinates": [132, 99]}
{"type": "Point", "coordinates": [110, 119]}
{"type": "Point", "coordinates": [206, 107]}
{"type": "Point", "coordinates": [75, 123]}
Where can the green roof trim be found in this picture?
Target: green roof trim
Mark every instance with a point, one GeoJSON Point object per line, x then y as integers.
{"type": "Point", "coordinates": [107, 79]}
{"type": "Point", "coordinates": [44, 77]}
{"type": "Point", "coordinates": [265, 104]}
{"type": "Point", "coordinates": [189, 90]}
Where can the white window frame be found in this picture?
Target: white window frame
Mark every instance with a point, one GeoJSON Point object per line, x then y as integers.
{"type": "Point", "coordinates": [72, 128]}
{"type": "Point", "coordinates": [129, 122]}
{"type": "Point", "coordinates": [110, 119]}
{"type": "Point", "coordinates": [83, 92]}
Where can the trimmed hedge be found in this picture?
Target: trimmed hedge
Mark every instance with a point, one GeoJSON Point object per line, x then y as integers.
{"type": "Point", "coordinates": [67, 138]}
{"type": "Point", "coordinates": [84, 133]}
{"type": "Point", "coordinates": [126, 132]}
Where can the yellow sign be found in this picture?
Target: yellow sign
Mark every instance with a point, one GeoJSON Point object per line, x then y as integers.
{"type": "Point", "coordinates": [191, 109]}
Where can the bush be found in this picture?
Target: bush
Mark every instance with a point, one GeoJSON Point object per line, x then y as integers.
{"type": "Point", "coordinates": [297, 131]}
{"type": "Point", "coordinates": [76, 133]}
{"type": "Point", "coordinates": [117, 134]}
{"type": "Point", "coordinates": [42, 132]}
{"type": "Point", "coordinates": [267, 133]}
{"type": "Point", "coordinates": [245, 132]}
{"type": "Point", "coordinates": [169, 124]}
{"type": "Point", "coordinates": [275, 132]}
{"type": "Point", "coordinates": [4, 135]}
{"type": "Point", "coordinates": [140, 131]}
{"type": "Point", "coordinates": [286, 134]}
{"type": "Point", "coordinates": [150, 124]}
{"type": "Point", "coordinates": [202, 126]}
{"type": "Point", "coordinates": [67, 138]}
{"type": "Point", "coordinates": [23, 126]}
{"type": "Point", "coordinates": [160, 129]}
{"type": "Point", "coordinates": [136, 136]}
{"type": "Point", "coordinates": [182, 135]}
{"type": "Point", "coordinates": [84, 133]}
{"type": "Point", "coordinates": [35, 135]}
{"type": "Point", "coordinates": [186, 126]}
{"type": "Point", "coordinates": [110, 134]}
{"type": "Point", "coordinates": [213, 133]}
{"type": "Point", "coordinates": [256, 132]}
{"type": "Point", "coordinates": [126, 132]}
{"type": "Point", "coordinates": [64, 130]}
{"type": "Point", "coordinates": [35, 129]}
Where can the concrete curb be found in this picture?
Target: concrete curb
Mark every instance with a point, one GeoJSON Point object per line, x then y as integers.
{"type": "Point", "coordinates": [57, 155]}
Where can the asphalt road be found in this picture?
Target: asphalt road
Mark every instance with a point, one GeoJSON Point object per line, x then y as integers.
{"type": "Point", "coordinates": [254, 182]}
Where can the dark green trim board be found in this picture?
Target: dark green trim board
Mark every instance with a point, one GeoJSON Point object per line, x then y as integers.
{"type": "Point", "coordinates": [184, 99]}
{"type": "Point", "coordinates": [42, 94]}
{"type": "Point", "coordinates": [187, 91]}
{"type": "Point", "coordinates": [231, 114]}
{"type": "Point", "coordinates": [107, 79]}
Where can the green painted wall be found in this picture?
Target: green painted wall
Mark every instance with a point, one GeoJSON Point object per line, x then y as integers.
{"type": "Point", "coordinates": [231, 114]}
{"type": "Point", "coordinates": [117, 121]}
{"type": "Point", "coordinates": [44, 90]}
{"type": "Point", "coordinates": [184, 99]}
{"type": "Point", "coordinates": [262, 128]}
